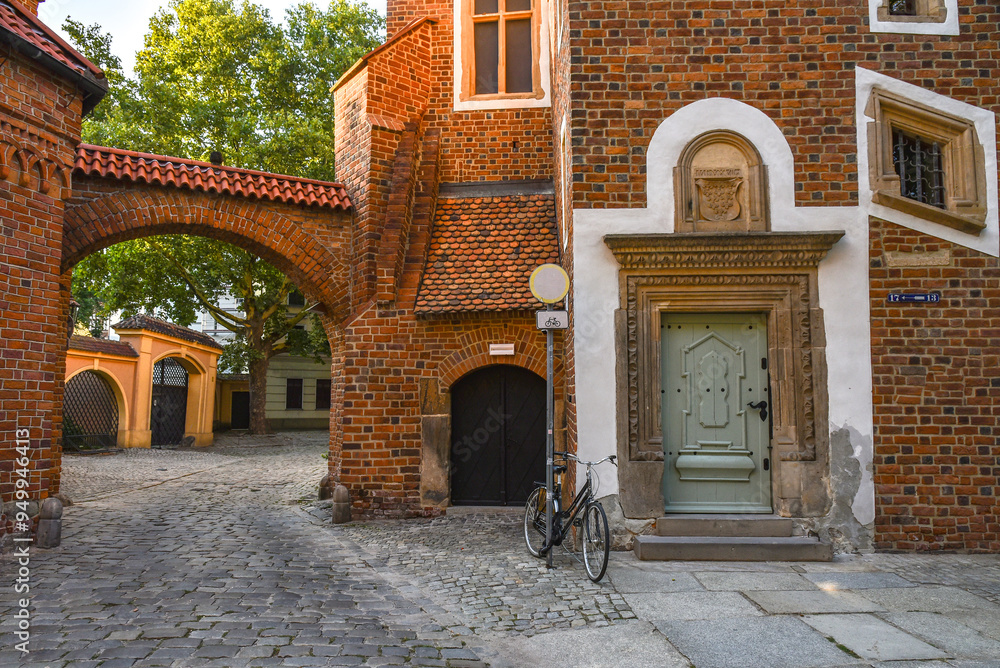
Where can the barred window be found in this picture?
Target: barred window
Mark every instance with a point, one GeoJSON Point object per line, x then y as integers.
{"type": "Point", "coordinates": [903, 7]}
{"type": "Point", "coordinates": [919, 167]}
{"type": "Point", "coordinates": [500, 43]}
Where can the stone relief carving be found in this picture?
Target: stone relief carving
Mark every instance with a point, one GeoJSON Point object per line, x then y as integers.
{"type": "Point", "coordinates": [720, 185]}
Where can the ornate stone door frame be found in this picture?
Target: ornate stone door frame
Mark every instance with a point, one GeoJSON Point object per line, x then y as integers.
{"type": "Point", "coordinates": [774, 273]}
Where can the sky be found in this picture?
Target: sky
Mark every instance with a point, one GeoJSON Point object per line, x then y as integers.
{"type": "Point", "coordinates": [128, 20]}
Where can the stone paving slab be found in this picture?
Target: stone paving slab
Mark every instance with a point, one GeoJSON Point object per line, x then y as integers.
{"type": "Point", "coordinates": [629, 580]}
{"type": "Point", "coordinates": [691, 605]}
{"type": "Point", "coordinates": [929, 599]}
{"type": "Point", "coordinates": [811, 602]}
{"type": "Point", "coordinates": [872, 638]}
{"type": "Point", "coordinates": [754, 642]}
{"type": "Point", "coordinates": [955, 638]}
{"type": "Point", "coordinates": [724, 581]}
{"type": "Point", "coordinates": [855, 580]}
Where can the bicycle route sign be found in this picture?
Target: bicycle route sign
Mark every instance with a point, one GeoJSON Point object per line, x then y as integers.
{"type": "Point", "coordinates": [552, 319]}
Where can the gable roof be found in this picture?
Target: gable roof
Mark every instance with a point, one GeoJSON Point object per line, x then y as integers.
{"type": "Point", "coordinates": [149, 323]}
{"type": "Point", "coordinates": [107, 346]}
{"type": "Point", "coordinates": [27, 34]}
{"type": "Point", "coordinates": [482, 252]}
{"type": "Point", "coordinates": [204, 176]}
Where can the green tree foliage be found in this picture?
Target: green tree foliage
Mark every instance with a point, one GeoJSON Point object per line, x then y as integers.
{"type": "Point", "coordinates": [217, 75]}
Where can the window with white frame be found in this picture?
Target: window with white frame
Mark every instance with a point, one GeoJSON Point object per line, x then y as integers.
{"type": "Point", "coordinates": [501, 53]}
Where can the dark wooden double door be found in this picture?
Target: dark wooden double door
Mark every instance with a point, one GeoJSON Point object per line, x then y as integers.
{"type": "Point", "coordinates": [497, 436]}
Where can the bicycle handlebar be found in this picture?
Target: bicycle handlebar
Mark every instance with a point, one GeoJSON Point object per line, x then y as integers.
{"type": "Point", "coordinates": [569, 455]}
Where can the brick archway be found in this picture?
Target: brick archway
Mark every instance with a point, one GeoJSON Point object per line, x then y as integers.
{"type": "Point", "coordinates": [94, 224]}
{"type": "Point", "coordinates": [474, 353]}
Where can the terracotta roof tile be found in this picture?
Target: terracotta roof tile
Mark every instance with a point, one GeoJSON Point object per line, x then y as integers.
{"type": "Point", "coordinates": [90, 344]}
{"type": "Point", "coordinates": [28, 34]}
{"type": "Point", "coordinates": [483, 250]}
{"type": "Point", "coordinates": [149, 323]}
{"type": "Point", "coordinates": [193, 175]}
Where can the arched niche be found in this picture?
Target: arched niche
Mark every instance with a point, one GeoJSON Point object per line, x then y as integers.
{"type": "Point", "coordinates": [721, 185]}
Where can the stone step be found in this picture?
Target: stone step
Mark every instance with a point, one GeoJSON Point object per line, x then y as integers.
{"type": "Point", "coordinates": [731, 548]}
{"type": "Point", "coordinates": [724, 525]}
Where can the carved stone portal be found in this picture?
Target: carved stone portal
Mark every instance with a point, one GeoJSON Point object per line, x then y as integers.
{"type": "Point", "coordinates": [721, 186]}
{"type": "Point", "coordinates": [770, 273]}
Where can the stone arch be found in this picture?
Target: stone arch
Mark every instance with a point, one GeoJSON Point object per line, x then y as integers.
{"type": "Point", "coordinates": [95, 224]}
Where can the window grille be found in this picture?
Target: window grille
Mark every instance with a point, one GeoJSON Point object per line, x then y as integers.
{"type": "Point", "coordinates": [903, 7]}
{"type": "Point", "coordinates": [919, 166]}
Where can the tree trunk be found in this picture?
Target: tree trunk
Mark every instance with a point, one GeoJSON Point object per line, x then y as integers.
{"type": "Point", "coordinates": [258, 395]}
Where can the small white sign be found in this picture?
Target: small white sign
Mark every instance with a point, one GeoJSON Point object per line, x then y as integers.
{"type": "Point", "coordinates": [501, 349]}
{"type": "Point", "coordinates": [552, 319]}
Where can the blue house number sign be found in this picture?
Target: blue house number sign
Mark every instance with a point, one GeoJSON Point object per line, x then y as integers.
{"type": "Point", "coordinates": [915, 298]}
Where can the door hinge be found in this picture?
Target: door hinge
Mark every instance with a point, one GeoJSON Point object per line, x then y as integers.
{"type": "Point", "coordinates": [763, 363]}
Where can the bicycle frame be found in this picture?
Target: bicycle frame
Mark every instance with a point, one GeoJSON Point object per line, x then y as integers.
{"type": "Point", "coordinates": [563, 519]}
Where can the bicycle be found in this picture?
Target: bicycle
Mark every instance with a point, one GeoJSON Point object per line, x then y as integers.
{"type": "Point", "coordinates": [594, 522]}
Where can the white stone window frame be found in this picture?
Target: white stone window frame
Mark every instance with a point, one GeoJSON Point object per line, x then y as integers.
{"type": "Point", "coordinates": [915, 25]}
{"type": "Point", "coordinates": [471, 103]}
{"type": "Point", "coordinates": [984, 121]}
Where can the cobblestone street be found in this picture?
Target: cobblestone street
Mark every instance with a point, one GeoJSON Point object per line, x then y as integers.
{"type": "Point", "coordinates": [223, 557]}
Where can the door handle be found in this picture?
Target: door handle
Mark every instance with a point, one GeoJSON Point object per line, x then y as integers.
{"type": "Point", "coordinates": [760, 406]}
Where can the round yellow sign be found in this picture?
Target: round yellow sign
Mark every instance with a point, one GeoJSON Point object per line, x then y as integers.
{"type": "Point", "coordinates": [549, 283]}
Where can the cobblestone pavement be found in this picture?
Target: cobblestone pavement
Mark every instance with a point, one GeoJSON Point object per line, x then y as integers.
{"type": "Point", "coordinates": [214, 567]}
{"type": "Point", "coordinates": [223, 557]}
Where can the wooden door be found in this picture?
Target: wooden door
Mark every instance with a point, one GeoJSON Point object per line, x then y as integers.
{"type": "Point", "coordinates": [497, 435]}
{"type": "Point", "coordinates": [716, 444]}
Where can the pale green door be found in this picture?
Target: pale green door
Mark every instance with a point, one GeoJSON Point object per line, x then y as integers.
{"type": "Point", "coordinates": [715, 444]}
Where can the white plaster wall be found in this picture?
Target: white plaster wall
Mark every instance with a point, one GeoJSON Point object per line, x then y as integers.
{"type": "Point", "coordinates": [947, 27]}
{"type": "Point", "coordinates": [843, 281]}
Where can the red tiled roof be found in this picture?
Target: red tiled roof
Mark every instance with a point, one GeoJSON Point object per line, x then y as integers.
{"type": "Point", "coordinates": [28, 34]}
{"type": "Point", "coordinates": [181, 173]}
{"type": "Point", "coordinates": [149, 323]}
{"type": "Point", "coordinates": [90, 344]}
{"type": "Point", "coordinates": [483, 250]}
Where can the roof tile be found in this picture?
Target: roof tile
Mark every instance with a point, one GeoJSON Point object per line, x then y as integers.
{"type": "Point", "coordinates": [149, 323]}
{"type": "Point", "coordinates": [90, 344]}
{"type": "Point", "coordinates": [193, 175]}
{"type": "Point", "coordinates": [483, 250]}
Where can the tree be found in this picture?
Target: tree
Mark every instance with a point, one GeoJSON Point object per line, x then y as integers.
{"type": "Point", "coordinates": [193, 273]}
{"type": "Point", "coordinates": [214, 75]}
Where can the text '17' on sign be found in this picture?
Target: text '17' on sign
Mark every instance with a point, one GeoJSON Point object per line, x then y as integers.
{"type": "Point", "coordinates": [552, 319]}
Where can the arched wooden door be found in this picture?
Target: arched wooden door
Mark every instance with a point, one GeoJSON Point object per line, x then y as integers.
{"type": "Point", "coordinates": [169, 410]}
{"type": "Point", "coordinates": [497, 435]}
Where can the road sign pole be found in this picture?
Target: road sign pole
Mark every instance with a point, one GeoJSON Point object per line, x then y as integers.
{"type": "Point", "coordinates": [549, 444]}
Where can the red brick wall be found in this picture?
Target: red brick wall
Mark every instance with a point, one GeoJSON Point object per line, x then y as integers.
{"type": "Point", "coordinates": [487, 145]}
{"type": "Point", "coordinates": [634, 63]}
{"type": "Point", "coordinates": [936, 396]}
{"type": "Point", "coordinates": [387, 353]}
{"type": "Point", "coordinates": [37, 150]}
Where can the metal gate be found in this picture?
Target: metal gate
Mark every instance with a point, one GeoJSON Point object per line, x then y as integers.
{"type": "Point", "coordinates": [90, 414]}
{"type": "Point", "coordinates": [169, 411]}
{"type": "Point", "coordinates": [497, 436]}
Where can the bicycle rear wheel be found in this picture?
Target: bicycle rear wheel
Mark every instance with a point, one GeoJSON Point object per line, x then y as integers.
{"type": "Point", "coordinates": [596, 541]}
{"type": "Point", "coordinates": [534, 522]}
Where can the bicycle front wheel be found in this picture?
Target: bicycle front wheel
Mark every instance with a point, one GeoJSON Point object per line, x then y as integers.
{"type": "Point", "coordinates": [596, 541]}
{"type": "Point", "coordinates": [534, 522]}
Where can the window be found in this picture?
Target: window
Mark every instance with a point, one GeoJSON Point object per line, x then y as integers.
{"type": "Point", "coordinates": [500, 49]}
{"type": "Point", "coordinates": [295, 298]}
{"type": "Point", "coordinates": [293, 393]}
{"type": "Point", "coordinates": [322, 394]}
{"type": "Point", "coordinates": [926, 163]}
{"type": "Point", "coordinates": [913, 11]}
